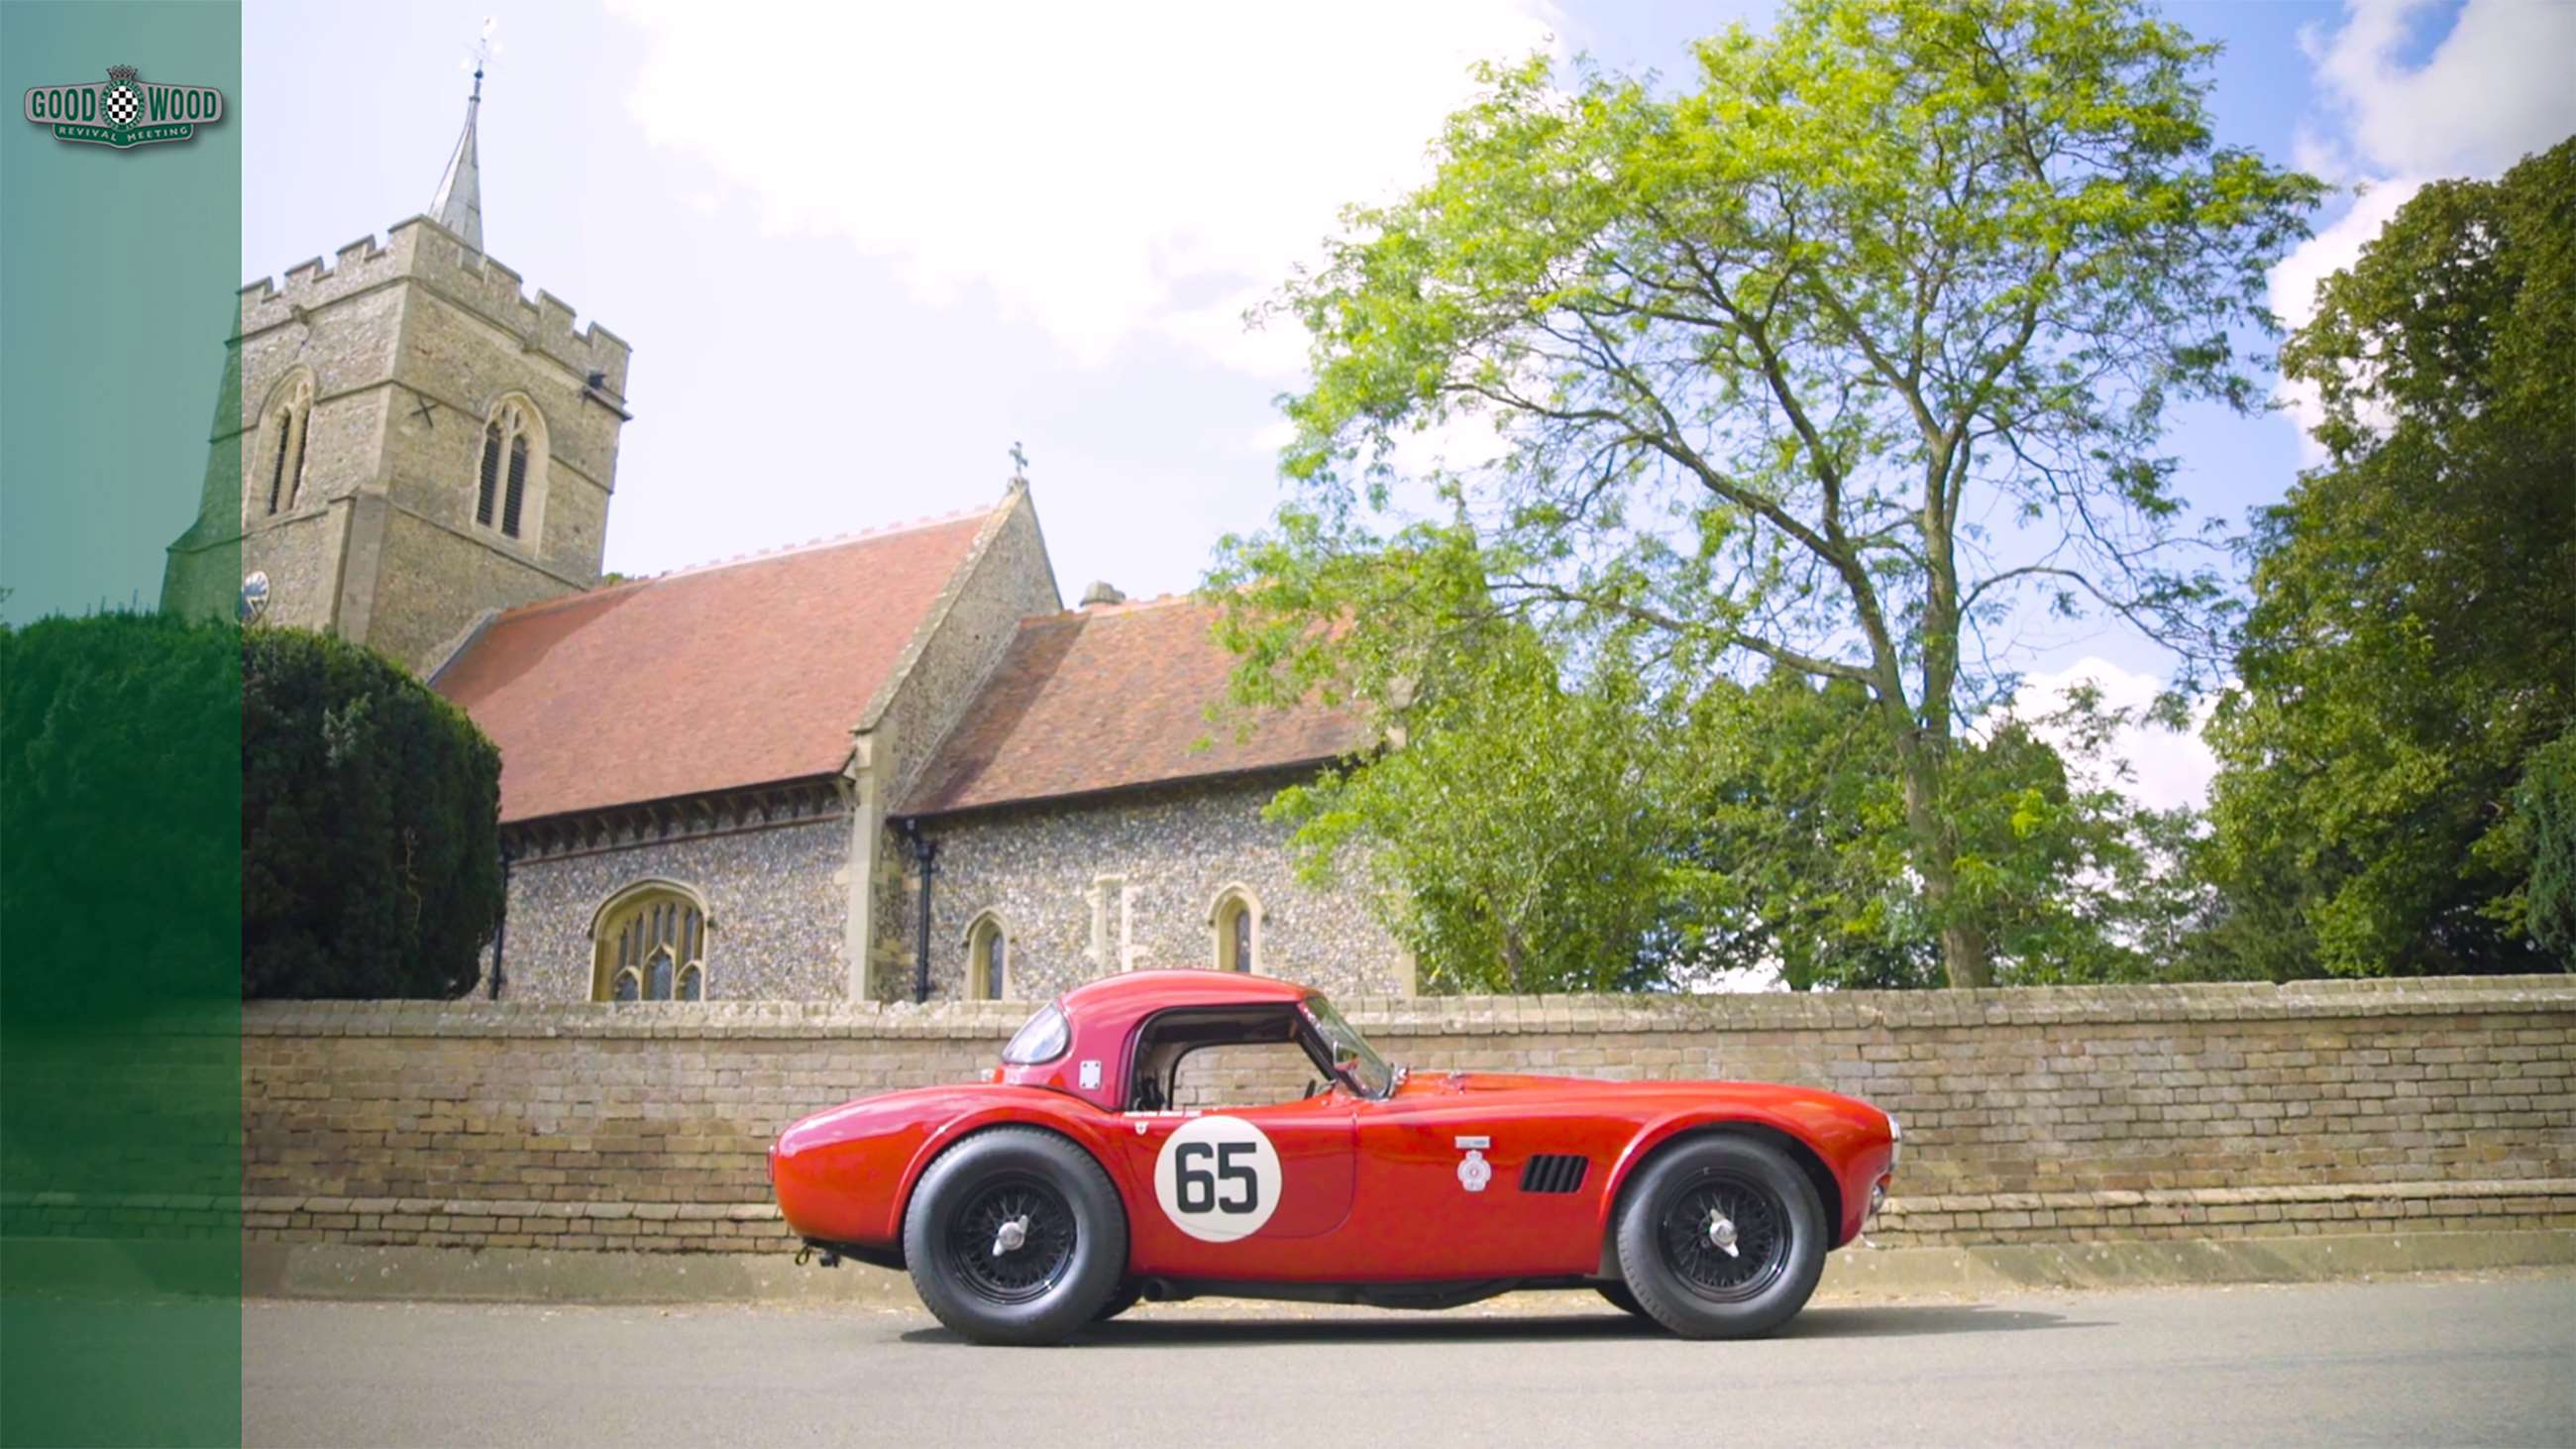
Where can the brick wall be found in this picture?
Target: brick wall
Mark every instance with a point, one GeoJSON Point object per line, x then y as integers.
{"type": "Point", "coordinates": [2036, 1115]}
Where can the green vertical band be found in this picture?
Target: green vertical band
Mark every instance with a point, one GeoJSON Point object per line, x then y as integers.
{"type": "Point", "coordinates": [120, 772]}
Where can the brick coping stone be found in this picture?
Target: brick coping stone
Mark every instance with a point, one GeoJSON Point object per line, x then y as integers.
{"type": "Point", "coordinates": [1450, 1015]}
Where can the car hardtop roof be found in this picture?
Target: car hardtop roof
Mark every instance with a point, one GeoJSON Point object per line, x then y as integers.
{"type": "Point", "coordinates": [1136, 993]}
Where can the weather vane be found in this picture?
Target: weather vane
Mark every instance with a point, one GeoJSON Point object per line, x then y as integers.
{"type": "Point", "coordinates": [482, 53]}
{"type": "Point", "coordinates": [1019, 462]}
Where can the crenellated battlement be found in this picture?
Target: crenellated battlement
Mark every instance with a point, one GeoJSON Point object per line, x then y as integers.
{"type": "Point", "coordinates": [422, 250]}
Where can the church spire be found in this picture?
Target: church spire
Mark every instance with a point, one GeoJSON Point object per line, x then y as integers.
{"type": "Point", "coordinates": [459, 203]}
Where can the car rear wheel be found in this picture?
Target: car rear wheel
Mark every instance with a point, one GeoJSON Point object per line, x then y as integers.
{"type": "Point", "coordinates": [1721, 1237]}
{"type": "Point", "coordinates": [1015, 1236]}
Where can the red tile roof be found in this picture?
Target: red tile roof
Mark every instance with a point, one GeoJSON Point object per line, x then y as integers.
{"type": "Point", "coordinates": [1110, 697]}
{"type": "Point", "coordinates": [739, 673]}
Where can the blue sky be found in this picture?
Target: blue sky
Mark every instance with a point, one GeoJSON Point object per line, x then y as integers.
{"type": "Point", "coordinates": [860, 251]}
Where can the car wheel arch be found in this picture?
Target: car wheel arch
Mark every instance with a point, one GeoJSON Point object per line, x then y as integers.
{"type": "Point", "coordinates": [957, 1134]}
{"type": "Point", "coordinates": [1667, 1136]}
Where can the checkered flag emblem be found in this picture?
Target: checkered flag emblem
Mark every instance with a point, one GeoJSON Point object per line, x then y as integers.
{"type": "Point", "coordinates": [124, 98]}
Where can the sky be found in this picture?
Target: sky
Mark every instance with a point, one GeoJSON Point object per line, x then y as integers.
{"type": "Point", "coordinates": [862, 251]}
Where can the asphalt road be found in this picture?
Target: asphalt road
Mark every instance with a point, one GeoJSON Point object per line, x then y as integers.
{"type": "Point", "coordinates": [2478, 1361]}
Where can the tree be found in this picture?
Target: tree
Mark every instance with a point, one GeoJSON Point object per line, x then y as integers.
{"type": "Point", "coordinates": [2412, 644]}
{"type": "Point", "coordinates": [1626, 832]}
{"type": "Point", "coordinates": [1515, 839]}
{"type": "Point", "coordinates": [2064, 875]}
{"type": "Point", "coordinates": [1801, 837]}
{"type": "Point", "coordinates": [120, 778]}
{"type": "Point", "coordinates": [1761, 358]}
{"type": "Point", "coordinates": [370, 861]}
{"type": "Point", "coordinates": [2546, 805]}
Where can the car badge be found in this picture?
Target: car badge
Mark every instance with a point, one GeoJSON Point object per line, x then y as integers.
{"type": "Point", "coordinates": [1473, 1170]}
{"type": "Point", "coordinates": [1090, 1076]}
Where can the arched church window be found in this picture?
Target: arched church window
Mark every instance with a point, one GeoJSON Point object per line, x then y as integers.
{"type": "Point", "coordinates": [988, 959]}
{"type": "Point", "coordinates": [281, 441]}
{"type": "Point", "coordinates": [509, 481]}
{"type": "Point", "coordinates": [1236, 917]}
{"type": "Point", "coordinates": [649, 943]}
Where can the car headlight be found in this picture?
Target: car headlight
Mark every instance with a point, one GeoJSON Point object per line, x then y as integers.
{"type": "Point", "coordinates": [1895, 1141]}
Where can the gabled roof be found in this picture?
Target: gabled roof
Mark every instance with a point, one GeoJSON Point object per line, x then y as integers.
{"type": "Point", "coordinates": [740, 673]}
{"type": "Point", "coordinates": [1112, 697]}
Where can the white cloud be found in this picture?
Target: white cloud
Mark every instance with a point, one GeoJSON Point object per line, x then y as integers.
{"type": "Point", "coordinates": [2492, 89]}
{"type": "Point", "coordinates": [2163, 768]}
{"type": "Point", "coordinates": [2495, 87]}
{"type": "Point", "coordinates": [1106, 173]}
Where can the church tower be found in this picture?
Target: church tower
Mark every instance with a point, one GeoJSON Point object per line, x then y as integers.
{"type": "Point", "coordinates": [417, 442]}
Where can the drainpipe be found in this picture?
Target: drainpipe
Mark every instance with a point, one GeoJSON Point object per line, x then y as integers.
{"type": "Point", "coordinates": [925, 854]}
{"type": "Point", "coordinates": [501, 928]}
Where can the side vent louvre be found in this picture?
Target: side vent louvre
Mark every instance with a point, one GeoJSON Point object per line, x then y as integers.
{"type": "Point", "coordinates": [1554, 1172]}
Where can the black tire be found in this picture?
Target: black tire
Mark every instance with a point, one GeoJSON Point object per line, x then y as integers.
{"type": "Point", "coordinates": [1691, 1201]}
{"type": "Point", "coordinates": [1623, 1300]}
{"type": "Point", "coordinates": [1119, 1302]}
{"type": "Point", "coordinates": [1074, 1237]}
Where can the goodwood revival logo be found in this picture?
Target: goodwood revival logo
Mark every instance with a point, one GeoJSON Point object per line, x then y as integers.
{"type": "Point", "coordinates": [124, 111]}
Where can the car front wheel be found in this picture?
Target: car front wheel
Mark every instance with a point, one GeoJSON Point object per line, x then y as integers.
{"type": "Point", "coordinates": [1721, 1237]}
{"type": "Point", "coordinates": [1015, 1236]}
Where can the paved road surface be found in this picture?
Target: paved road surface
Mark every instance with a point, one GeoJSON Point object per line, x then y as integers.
{"type": "Point", "coordinates": [2476, 1361]}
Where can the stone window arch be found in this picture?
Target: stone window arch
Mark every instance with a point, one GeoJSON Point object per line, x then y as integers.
{"type": "Point", "coordinates": [650, 942]}
{"type": "Point", "coordinates": [510, 469]}
{"type": "Point", "coordinates": [279, 460]}
{"type": "Point", "coordinates": [988, 959]}
{"type": "Point", "coordinates": [1235, 918]}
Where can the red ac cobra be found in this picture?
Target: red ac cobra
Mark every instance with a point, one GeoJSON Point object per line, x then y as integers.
{"type": "Point", "coordinates": [1067, 1187]}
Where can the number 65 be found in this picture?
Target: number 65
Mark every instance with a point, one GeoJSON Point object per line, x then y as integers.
{"type": "Point", "coordinates": [1195, 1187]}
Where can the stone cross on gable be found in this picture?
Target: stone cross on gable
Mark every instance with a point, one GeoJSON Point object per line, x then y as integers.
{"type": "Point", "coordinates": [1019, 462]}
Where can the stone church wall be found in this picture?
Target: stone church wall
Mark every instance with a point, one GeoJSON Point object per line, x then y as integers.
{"type": "Point", "coordinates": [1127, 882]}
{"type": "Point", "coordinates": [300, 555]}
{"type": "Point", "coordinates": [777, 898]}
{"type": "Point", "coordinates": [432, 580]}
{"type": "Point", "coordinates": [2049, 1115]}
{"type": "Point", "coordinates": [409, 342]}
{"type": "Point", "coordinates": [461, 362]}
{"type": "Point", "coordinates": [1010, 579]}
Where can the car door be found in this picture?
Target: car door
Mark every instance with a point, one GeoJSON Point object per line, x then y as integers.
{"type": "Point", "coordinates": [1238, 1191]}
{"type": "Point", "coordinates": [1443, 1189]}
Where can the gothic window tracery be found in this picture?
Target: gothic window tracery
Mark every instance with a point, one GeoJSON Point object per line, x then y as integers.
{"type": "Point", "coordinates": [509, 478]}
{"type": "Point", "coordinates": [1235, 916]}
{"type": "Point", "coordinates": [988, 959]}
{"type": "Point", "coordinates": [650, 944]}
{"type": "Point", "coordinates": [281, 442]}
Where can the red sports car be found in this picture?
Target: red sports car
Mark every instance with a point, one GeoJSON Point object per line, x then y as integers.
{"type": "Point", "coordinates": [1069, 1184]}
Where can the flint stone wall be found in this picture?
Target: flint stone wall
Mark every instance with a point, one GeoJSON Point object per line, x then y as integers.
{"type": "Point", "coordinates": [1092, 887]}
{"type": "Point", "coordinates": [2049, 1115]}
{"type": "Point", "coordinates": [777, 897]}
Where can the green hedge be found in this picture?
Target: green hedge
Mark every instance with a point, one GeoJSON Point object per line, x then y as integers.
{"type": "Point", "coordinates": [118, 880]}
{"type": "Point", "coordinates": [370, 826]}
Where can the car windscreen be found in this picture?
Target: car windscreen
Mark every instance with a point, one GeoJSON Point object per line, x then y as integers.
{"type": "Point", "coordinates": [1042, 1040]}
{"type": "Point", "coordinates": [1353, 1058]}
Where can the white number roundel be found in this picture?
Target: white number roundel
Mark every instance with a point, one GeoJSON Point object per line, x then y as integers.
{"type": "Point", "coordinates": [1217, 1178]}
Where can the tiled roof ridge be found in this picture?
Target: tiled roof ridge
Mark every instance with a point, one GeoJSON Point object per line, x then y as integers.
{"type": "Point", "coordinates": [786, 550]}
{"type": "Point", "coordinates": [1127, 606]}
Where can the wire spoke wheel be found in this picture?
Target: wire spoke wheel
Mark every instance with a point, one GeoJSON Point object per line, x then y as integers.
{"type": "Point", "coordinates": [1727, 1236]}
{"type": "Point", "coordinates": [1012, 1240]}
